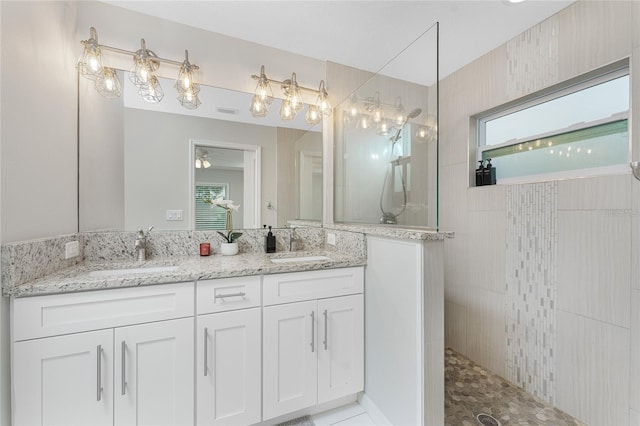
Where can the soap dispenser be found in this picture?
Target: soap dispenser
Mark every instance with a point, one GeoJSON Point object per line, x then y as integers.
{"type": "Point", "coordinates": [480, 173]}
{"type": "Point", "coordinates": [270, 242]}
{"type": "Point", "coordinates": [489, 174]}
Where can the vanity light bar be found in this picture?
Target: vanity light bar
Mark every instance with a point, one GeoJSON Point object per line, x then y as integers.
{"type": "Point", "coordinates": [285, 84]}
{"type": "Point", "coordinates": [146, 62]}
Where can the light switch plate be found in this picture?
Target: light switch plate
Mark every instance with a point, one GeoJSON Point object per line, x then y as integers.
{"type": "Point", "coordinates": [331, 239]}
{"type": "Point", "coordinates": [71, 249]}
{"type": "Point", "coordinates": [174, 215]}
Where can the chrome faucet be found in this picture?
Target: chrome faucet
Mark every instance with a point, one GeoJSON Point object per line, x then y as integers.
{"type": "Point", "coordinates": [141, 244]}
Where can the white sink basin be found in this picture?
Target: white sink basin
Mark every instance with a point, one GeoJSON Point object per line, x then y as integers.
{"type": "Point", "coordinates": [300, 259]}
{"type": "Point", "coordinates": [147, 270]}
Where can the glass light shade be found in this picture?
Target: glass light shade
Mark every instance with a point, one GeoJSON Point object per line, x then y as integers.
{"type": "Point", "coordinates": [185, 79]}
{"type": "Point", "coordinates": [198, 163]}
{"type": "Point", "coordinates": [108, 84]}
{"type": "Point", "coordinates": [294, 94]}
{"type": "Point", "coordinates": [263, 88]}
{"type": "Point", "coordinates": [377, 116]}
{"type": "Point", "coordinates": [363, 122]}
{"type": "Point", "coordinates": [286, 111]}
{"type": "Point", "coordinates": [398, 116]}
{"type": "Point", "coordinates": [322, 103]}
{"type": "Point", "coordinates": [383, 128]}
{"type": "Point", "coordinates": [189, 99]}
{"type": "Point", "coordinates": [313, 116]}
{"type": "Point", "coordinates": [144, 65]}
{"type": "Point", "coordinates": [90, 64]}
{"type": "Point", "coordinates": [258, 108]}
{"type": "Point", "coordinates": [152, 92]}
{"type": "Point", "coordinates": [206, 164]}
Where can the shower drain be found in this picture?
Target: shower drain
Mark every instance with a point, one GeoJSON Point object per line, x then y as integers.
{"type": "Point", "coordinates": [487, 420]}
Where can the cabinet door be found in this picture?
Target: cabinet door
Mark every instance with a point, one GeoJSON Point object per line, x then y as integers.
{"type": "Point", "coordinates": [290, 345]}
{"type": "Point", "coordinates": [228, 368]}
{"type": "Point", "coordinates": [64, 380]}
{"type": "Point", "coordinates": [340, 347]}
{"type": "Point", "coordinates": [154, 373]}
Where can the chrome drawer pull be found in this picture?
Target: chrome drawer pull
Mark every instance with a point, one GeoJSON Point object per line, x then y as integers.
{"type": "Point", "coordinates": [124, 374]}
{"type": "Point", "coordinates": [99, 381]}
{"type": "Point", "coordinates": [205, 351]}
{"type": "Point", "coordinates": [313, 335]}
{"type": "Point", "coordinates": [222, 296]}
{"type": "Point", "coordinates": [326, 338]}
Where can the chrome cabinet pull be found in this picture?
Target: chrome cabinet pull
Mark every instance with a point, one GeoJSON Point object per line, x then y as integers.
{"type": "Point", "coordinates": [99, 381]}
{"type": "Point", "coordinates": [124, 375]}
{"type": "Point", "coordinates": [313, 335]}
{"type": "Point", "coordinates": [325, 330]}
{"type": "Point", "coordinates": [205, 351]}
{"type": "Point", "coordinates": [222, 296]}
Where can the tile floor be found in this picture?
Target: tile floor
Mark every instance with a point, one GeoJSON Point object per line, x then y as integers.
{"type": "Point", "coordinates": [471, 390]}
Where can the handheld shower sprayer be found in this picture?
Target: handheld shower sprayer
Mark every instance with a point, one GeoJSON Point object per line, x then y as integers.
{"type": "Point", "coordinates": [389, 218]}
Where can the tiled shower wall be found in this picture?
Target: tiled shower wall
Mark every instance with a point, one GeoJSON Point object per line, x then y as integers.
{"type": "Point", "coordinates": [532, 214]}
{"type": "Point", "coordinates": [591, 366]}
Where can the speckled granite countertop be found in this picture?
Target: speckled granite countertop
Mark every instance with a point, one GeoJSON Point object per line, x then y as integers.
{"type": "Point", "coordinates": [189, 268]}
{"type": "Point", "coordinates": [392, 231]}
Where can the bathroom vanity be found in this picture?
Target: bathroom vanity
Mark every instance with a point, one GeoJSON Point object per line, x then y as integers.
{"type": "Point", "coordinates": [212, 351]}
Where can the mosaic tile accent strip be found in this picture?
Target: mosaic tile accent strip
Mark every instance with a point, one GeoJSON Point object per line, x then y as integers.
{"type": "Point", "coordinates": [531, 211]}
{"type": "Point", "coordinates": [532, 59]}
{"type": "Point", "coordinates": [471, 390]}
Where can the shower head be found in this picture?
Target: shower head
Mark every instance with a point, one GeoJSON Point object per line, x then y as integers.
{"type": "Point", "coordinates": [413, 114]}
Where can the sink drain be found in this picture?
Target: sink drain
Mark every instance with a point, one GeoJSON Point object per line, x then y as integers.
{"type": "Point", "coordinates": [487, 420]}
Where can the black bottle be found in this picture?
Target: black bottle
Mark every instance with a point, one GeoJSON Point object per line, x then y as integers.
{"type": "Point", "coordinates": [270, 242]}
{"type": "Point", "coordinates": [479, 173]}
{"type": "Point", "coordinates": [489, 174]}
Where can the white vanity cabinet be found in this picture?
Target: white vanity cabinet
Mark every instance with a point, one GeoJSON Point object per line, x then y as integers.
{"type": "Point", "coordinates": [313, 338]}
{"type": "Point", "coordinates": [117, 357]}
{"type": "Point", "coordinates": [228, 366]}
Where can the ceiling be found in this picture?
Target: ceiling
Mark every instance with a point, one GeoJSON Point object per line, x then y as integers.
{"type": "Point", "coordinates": [362, 34]}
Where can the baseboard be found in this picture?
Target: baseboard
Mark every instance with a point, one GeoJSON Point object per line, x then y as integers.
{"type": "Point", "coordinates": [310, 410]}
{"type": "Point", "coordinates": [373, 411]}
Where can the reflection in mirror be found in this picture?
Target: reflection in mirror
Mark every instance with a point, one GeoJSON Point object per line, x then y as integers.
{"type": "Point", "coordinates": [136, 166]}
{"type": "Point", "coordinates": [229, 171]}
{"type": "Point", "coordinates": [386, 147]}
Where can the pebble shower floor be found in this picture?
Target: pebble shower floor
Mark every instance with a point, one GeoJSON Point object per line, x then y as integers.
{"type": "Point", "coordinates": [471, 391]}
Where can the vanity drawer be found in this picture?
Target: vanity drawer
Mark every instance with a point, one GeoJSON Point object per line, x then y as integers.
{"type": "Point", "coordinates": [57, 314]}
{"type": "Point", "coordinates": [227, 294]}
{"type": "Point", "coordinates": [297, 286]}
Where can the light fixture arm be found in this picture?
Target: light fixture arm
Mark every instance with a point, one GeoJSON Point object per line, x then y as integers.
{"type": "Point", "coordinates": [284, 83]}
{"type": "Point", "coordinates": [94, 40]}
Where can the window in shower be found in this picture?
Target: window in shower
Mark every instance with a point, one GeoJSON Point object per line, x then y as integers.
{"type": "Point", "coordinates": [579, 128]}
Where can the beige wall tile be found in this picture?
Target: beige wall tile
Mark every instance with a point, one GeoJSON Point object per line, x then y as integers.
{"type": "Point", "coordinates": [453, 198]}
{"type": "Point", "coordinates": [592, 370]}
{"type": "Point", "coordinates": [490, 197]}
{"type": "Point", "coordinates": [634, 374]}
{"type": "Point", "coordinates": [634, 418]}
{"type": "Point", "coordinates": [593, 33]}
{"type": "Point", "coordinates": [455, 327]}
{"type": "Point", "coordinates": [486, 329]}
{"type": "Point", "coordinates": [486, 252]}
{"type": "Point", "coordinates": [594, 264]}
{"type": "Point", "coordinates": [635, 235]}
{"type": "Point", "coordinates": [602, 192]}
{"type": "Point", "coordinates": [456, 266]}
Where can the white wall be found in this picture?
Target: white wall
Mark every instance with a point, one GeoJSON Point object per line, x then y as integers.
{"type": "Point", "coordinates": [595, 345]}
{"type": "Point", "coordinates": [39, 116]}
{"type": "Point", "coordinates": [152, 187]}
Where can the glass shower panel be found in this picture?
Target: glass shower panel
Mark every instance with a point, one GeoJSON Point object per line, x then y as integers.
{"type": "Point", "coordinates": [385, 134]}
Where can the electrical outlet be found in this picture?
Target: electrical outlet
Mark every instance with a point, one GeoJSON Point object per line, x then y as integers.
{"type": "Point", "coordinates": [71, 249]}
{"type": "Point", "coordinates": [331, 239]}
{"type": "Point", "coordinates": [174, 215]}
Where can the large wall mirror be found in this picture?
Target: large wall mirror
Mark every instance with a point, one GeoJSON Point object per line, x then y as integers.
{"type": "Point", "coordinates": [142, 164]}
